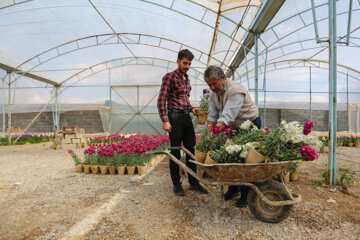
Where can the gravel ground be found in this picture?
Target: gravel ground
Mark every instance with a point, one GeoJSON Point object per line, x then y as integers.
{"type": "Point", "coordinates": [42, 197]}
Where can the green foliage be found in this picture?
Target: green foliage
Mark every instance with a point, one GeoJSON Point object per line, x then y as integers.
{"type": "Point", "coordinates": [210, 142]}
{"type": "Point", "coordinates": [324, 178]}
{"type": "Point", "coordinates": [294, 167]}
{"type": "Point", "coordinates": [76, 159]}
{"type": "Point", "coordinates": [347, 175]}
{"type": "Point", "coordinates": [222, 156]}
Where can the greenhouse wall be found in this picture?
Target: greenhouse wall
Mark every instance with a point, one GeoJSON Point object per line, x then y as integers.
{"type": "Point", "coordinates": [91, 121]}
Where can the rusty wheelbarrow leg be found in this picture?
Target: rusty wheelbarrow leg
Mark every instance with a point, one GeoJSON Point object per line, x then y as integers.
{"type": "Point", "coordinates": [216, 197]}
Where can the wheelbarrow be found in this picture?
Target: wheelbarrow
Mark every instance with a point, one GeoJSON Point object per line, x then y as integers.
{"type": "Point", "coordinates": [268, 200]}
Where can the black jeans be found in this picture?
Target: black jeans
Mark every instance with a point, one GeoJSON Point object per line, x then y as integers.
{"type": "Point", "coordinates": [182, 130]}
{"type": "Point", "coordinates": [244, 190]}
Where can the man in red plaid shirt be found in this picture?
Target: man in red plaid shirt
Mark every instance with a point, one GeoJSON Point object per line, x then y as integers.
{"type": "Point", "coordinates": [174, 110]}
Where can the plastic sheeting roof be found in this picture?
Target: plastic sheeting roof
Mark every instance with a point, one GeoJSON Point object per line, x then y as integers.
{"type": "Point", "coordinates": [76, 42]}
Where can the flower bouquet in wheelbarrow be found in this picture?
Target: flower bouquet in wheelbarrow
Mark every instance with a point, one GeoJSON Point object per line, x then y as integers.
{"type": "Point", "coordinates": [280, 147]}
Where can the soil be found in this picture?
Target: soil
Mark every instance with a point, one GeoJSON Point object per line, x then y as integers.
{"type": "Point", "coordinates": [43, 197]}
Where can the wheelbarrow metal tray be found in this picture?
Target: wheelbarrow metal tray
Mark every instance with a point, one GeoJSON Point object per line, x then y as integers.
{"type": "Point", "coordinates": [245, 172]}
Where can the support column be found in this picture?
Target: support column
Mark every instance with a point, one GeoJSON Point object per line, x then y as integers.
{"type": "Point", "coordinates": [9, 111]}
{"type": "Point", "coordinates": [57, 114]}
{"type": "Point", "coordinates": [138, 109]}
{"type": "Point", "coordinates": [3, 107]}
{"type": "Point", "coordinates": [332, 93]}
{"type": "Point", "coordinates": [256, 71]}
{"type": "Point", "coordinates": [310, 96]}
{"type": "Point", "coordinates": [110, 105]}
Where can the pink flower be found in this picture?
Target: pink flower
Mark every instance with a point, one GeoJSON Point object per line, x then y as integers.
{"type": "Point", "coordinates": [267, 130]}
{"type": "Point", "coordinates": [205, 91]}
{"type": "Point", "coordinates": [227, 131]}
{"type": "Point", "coordinates": [307, 151]}
{"type": "Point", "coordinates": [307, 127]}
{"type": "Point", "coordinates": [216, 130]}
{"type": "Point", "coordinates": [70, 151]}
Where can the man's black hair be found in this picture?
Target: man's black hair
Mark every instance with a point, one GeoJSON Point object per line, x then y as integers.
{"type": "Point", "coordinates": [185, 54]}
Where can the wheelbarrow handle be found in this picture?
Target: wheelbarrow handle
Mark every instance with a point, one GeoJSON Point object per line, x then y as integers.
{"type": "Point", "coordinates": [184, 149]}
{"type": "Point", "coordinates": [174, 148]}
{"type": "Point", "coordinates": [155, 152]}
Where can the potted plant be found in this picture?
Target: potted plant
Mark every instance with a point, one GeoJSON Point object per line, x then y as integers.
{"type": "Point", "coordinates": [202, 147]}
{"type": "Point", "coordinates": [140, 165]}
{"type": "Point", "coordinates": [204, 107]}
{"type": "Point", "coordinates": [103, 165]}
{"type": "Point", "coordinates": [357, 141]}
{"type": "Point", "coordinates": [94, 164]}
{"type": "Point", "coordinates": [120, 163]}
{"type": "Point", "coordinates": [77, 161]}
{"type": "Point", "coordinates": [294, 171]}
{"type": "Point", "coordinates": [130, 163]}
{"type": "Point", "coordinates": [112, 165]}
{"type": "Point", "coordinates": [350, 142]}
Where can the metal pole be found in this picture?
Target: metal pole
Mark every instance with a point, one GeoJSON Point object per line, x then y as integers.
{"type": "Point", "coordinates": [138, 109]}
{"type": "Point", "coordinates": [310, 97]}
{"type": "Point", "coordinates": [56, 109]}
{"type": "Point", "coordinates": [9, 111]}
{"type": "Point", "coordinates": [264, 87]}
{"type": "Point", "coordinates": [256, 71]}
{"type": "Point", "coordinates": [3, 106]}
{"type": "Point", "coordinates": [349, 24]}
{"type": "Point", "coordinates": [332, 93]}
{"type": "Point", "coordinates": [110, 109]}
{"type": "Point", "coordinates": [347, 92]}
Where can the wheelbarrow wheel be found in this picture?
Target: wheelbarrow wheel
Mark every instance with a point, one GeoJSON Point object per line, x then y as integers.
{"type": "Point", "coordinates": [274, 191]}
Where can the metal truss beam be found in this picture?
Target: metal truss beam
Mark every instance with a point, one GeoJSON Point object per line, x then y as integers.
{"type": "Point", "coordinates": [266, 15]}
{"type": "Point", "coordinates": [9, 69]}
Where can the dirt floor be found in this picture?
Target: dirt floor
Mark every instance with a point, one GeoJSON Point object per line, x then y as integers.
{"type": "Point", "coordinates": [42, 197]}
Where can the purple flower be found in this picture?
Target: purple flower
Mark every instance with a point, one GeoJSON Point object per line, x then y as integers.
{"type": "Point", "coordinates": [310, 152]}
{"type": "Point", "coordinates": [307, 127]}
{"type": "Point", "coordinates": [70, 151]}
{"type": "Point", "coordinates": [216, 130]}
{"type": "Point", "coordinates": [227, 131]}
{"type": "Point", "coordinates": [205, 91]}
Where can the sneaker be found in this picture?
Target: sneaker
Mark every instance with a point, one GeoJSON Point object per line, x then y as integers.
{"type": "Point", "coordinates": [242, 202]}
{"type": "Point", "coordinates": [198, 188]}
{"type": "Point", "coordinates": [178, 190]}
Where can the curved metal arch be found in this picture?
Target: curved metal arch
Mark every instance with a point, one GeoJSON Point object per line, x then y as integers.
{"type": "Point", "coordinates": [304, 49]}
{"type": "Point", "coordinates": [304, 26]}
{"type": "Point", "coordinates": [201, 6]}
{"type": "Point", "coordinates": [105, 42]}
{"type": "Point", "coordinates": [128, 63]}
{"type": "Point", "coordinates": [304, 61]}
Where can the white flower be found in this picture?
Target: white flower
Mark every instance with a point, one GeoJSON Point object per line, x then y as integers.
{"type": "Point", "coordinates": [312, 141]}
{"type": "Point", "coordinates": [233, 149]}
{"type": "Point", "coordinates": [292, 129]}
{"type": "Point", "coordinates": [246, 125]}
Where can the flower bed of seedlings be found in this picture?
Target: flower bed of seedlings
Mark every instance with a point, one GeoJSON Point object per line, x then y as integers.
{"type": "Point", "coordinates": [25, 138]}
{"type": "Point", "coordinates": [342, 139]}
{"type": "Point", "coordinates": [122, 154]}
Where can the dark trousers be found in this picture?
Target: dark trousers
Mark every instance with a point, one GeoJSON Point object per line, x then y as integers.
{"type": "Point", "coordinates": [244, 190]}
{"type": "Point", "coordinates": [182, 130]}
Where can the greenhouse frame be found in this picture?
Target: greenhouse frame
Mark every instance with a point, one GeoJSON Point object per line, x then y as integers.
{"type": "Point", "coordinates": [110, 56]}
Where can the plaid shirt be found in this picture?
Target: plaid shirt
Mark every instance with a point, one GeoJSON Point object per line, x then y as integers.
{"type": "Point", "coordinates": [176, 92]}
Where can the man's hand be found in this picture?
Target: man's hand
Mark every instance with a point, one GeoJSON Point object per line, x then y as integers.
{"type": "Point", "coordinates": [195, 111]}
{"type": "Point", "coordinates": [221, 125]}
{"type": "Point", "coordinates": [166, 126]}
